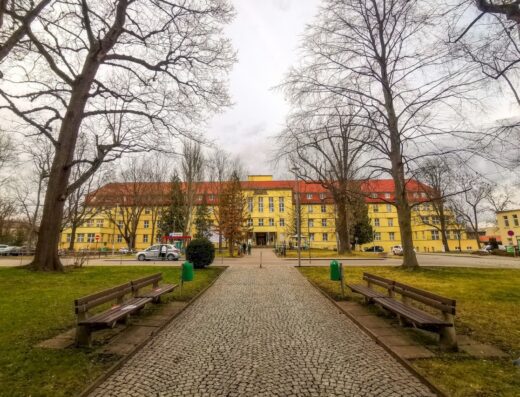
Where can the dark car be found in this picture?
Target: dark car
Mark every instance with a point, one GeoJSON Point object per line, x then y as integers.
{"type": "Point", "coordinates": [375, 248]}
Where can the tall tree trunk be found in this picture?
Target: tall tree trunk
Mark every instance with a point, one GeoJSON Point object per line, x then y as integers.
{"type": "Point", "coordinates": [475, 228]}
{"type": "Point", "coordinates": [342, 228]}
{"type": "Point", "coordinates": [46, 256]}
{"type": "Point", "coordinates": [72, 236]}
{"type": "Point", "coordinates": [443, 228]}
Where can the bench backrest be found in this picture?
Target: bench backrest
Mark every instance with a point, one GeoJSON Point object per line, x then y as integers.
{"type": "Point", "coordinates": [381, 281]}
{"type": "Point", "coordinates": [446, 305]}
{"type": "Point", "coordinates": [145, 281]}
{"type": "Point", "coordinates": [82, 305]}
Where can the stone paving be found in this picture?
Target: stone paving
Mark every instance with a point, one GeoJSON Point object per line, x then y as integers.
{"type": "Point", "coordinates": [262, 332]}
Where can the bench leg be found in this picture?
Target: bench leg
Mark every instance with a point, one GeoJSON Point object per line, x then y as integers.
{"type": "Point", "coordinates": [448, 339]}
{"type": "Point", "coordinates": [83, 336]}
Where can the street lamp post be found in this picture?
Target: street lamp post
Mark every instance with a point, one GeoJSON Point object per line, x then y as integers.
{"type": "Point", "coordinates": [298, 214]}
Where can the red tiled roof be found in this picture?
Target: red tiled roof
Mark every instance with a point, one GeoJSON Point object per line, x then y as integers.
{"type": "Point", "coordinates": [120, 193]}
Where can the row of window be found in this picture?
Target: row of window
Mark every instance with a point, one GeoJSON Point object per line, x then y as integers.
{"type": "Point", "coordinates": [515, 220]}
{"type": "Point", "coordinates": [433, 235]}
{"type": "Point", "coordinates": [281, 222]}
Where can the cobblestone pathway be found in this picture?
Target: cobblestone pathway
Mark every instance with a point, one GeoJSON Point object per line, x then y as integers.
{"type": "Point", "coordinates": [262, 332]}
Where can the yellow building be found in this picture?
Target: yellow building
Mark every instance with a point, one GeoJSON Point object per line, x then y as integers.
{"type": "Point", "coordinates": [509, 221]}
{"type": "Point", "coordinates": [271, 206]}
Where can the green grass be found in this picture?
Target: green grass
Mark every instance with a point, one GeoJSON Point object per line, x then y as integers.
{"type": "Point", "coordinates": [38, 306]}
{"type": "Point", "coordinates": [488, 305]}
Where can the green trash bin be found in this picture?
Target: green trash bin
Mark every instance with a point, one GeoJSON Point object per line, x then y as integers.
{"type": "Point", "coordinates": [187, 272]}
{"type": "Point", "coordinates": [510, 249]}
{"type": "Point", "coordinates": [335, 274]}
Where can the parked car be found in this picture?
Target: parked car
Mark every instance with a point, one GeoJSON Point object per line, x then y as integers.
{"type": "Point", "coordinates": [375, 248]}
{"type": "Point", "coordinates": [487, 248]}
{"type": "Point", "coordinates": [397, 250]}
{"type": "Point", "coordinates": [3, 247]}
{"type": "Point", "coordinates": [124, 250]}
{"type": "Point", "coordinates": [172, 253]}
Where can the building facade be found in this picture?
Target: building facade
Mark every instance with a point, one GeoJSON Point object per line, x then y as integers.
{"type": "Point", "coordinates": [271, 209]}
{"type": "Point", "coordinates": [508, 227]}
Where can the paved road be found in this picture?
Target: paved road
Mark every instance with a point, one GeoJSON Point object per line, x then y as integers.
{"type": "Point", "coordinates": [262, 332]}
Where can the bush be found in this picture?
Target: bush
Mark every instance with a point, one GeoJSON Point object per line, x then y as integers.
{"type": "Point", "coordinates": [200, 252]}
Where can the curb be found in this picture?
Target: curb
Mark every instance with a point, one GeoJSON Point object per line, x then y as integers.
{"type": "Point", "coordinates": [422, 378]}
{"type": "Point", "coordinates": [338, 259]}
{"type": "Point", "coordinates": [100, 379]}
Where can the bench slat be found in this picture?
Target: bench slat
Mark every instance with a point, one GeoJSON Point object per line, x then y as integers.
{"type": "Point", "coordinates": [143, 282]}
{"type": "Point", "coordinates": [84, 304]}
{"type": "Point", "coordinates": [430, 295]}
{"type": "Point", "coordinates": [156, 292]}
{"type": "Point", "coordinates": [365, 291]}
{"type": "Point", "coordinates": [411, 313]}
{"type": "Point", "coordinates": [425, 299]}
{"type": "Point", "coordinates": [117, 312]}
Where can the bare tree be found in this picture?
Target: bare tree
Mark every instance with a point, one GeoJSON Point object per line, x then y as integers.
{"type": "Point", "coordinates": [328, 149]}
{"type": "Point", "coordinates": [370, 54]}
{"type": "Point", "coordinates": [125, 201]}
{"type": "Point", "coordinates": [471, 204]}
{"type": "Point", "coordinates": [127, 75]}
{"type": "Point", "coordinates": [16, 17]}
{"type": "Point", "coordinates": [192, 166]}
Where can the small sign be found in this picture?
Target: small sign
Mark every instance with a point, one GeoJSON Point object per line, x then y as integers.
{"type": "Point", "coordinates": [176, 234]}
{"type": "Point", "coordinates": [98, 237]}
{"type": "Point", "coordinates": [510, 233]}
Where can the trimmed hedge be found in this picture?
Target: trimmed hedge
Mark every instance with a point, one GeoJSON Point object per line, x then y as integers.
{"type": "Point", "coordinates": [200, 252]}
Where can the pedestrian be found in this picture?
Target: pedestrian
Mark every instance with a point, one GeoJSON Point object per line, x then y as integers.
{"type": "Point", "coordinates": [162, 251]}
{"type": "Point", "coordinates": [249, 248]}
{"type": "Point", "coordinates": [244, 247]}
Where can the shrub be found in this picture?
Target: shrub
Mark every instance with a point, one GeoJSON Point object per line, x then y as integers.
{"type": "Point", "coordinates": [200, 252]}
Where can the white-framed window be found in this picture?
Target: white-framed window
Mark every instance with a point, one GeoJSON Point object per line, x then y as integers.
{"type": "Point", "coordinates": [311, 236]}
{"type": "Point", "coordinates": [377, 236]}
{"type": "Point", "coordinates": [200, 197]}
{"type": "Point", "coordinates": [249, 222]}
{"type": "Point", "coordinates": [99, 223]}
{"type": "Point", "coordinates": [69, 236]}
{"type": "Point", "coordinates": [211, 197]}
{"type": "Point", "coordinates": [260, 221]}
{"type": "Point", "coordinates": [90, 222]}
{"type": "Point", "coordinates": [375, 208]}
{"type": "Point", "coordinates": [323, 208]}
{"type": "Point", "coordinates": [80, 238]}
{"type": "Point", "coordinates": [260, 204]}
{"type": "Point", "coordinates": [147, 211]}
{"type": "Point", "coordinates": [325, 237]}
{"type": "Point", "coordinates": [387, 195]}
{"type": "Point", "coordinates": [506, 221]}
{"type": "Point", "coordinates": [146, 224]}
{"type": "Point", "coordinates": [250, 204]}
{"type": "Point", "coordinates": [416, 195]}
{"type": "Point", "coordinates": [119, 238]}
{"type": "Point", "coordinates": [391, 236]}
{"type": "Point", "coordinates": [271, 221]}
{"type": "Point", "coordinates": [324, 222]}
{"type": "Point", "coordinates": [281, 204]}
{"type": "Point", "coordinates": [390, 221]}
{"type": "Point", "coordinates": [322, 196]}
{"type": "Point", "coordinates": [309, 196]}
{"type": "Point", "coordinates": [389, 208]}
{"type": "Point", "coordinates": [426, 207]}
{"type": "Point", "coordinates": [425, 219]}
{"type": "Point", "coordinates": [435, 235]}
{"type": "Point", "coordinates": [309, 208]}
{"type": "Point", "coordinates": [376, 222]}
{"type": "Point", "coordinates": [145, 238]}
{"type": "Point", "coordinates": [120, 224]}
{"type": "Point", "coordinates": [423, 194]}
{"type": "Point", "coordinates": [91, 237]}
{"type": "Point", "coordinates": [373, 195]}
{"type": "Point", "coordinates": [282, 222]}
{"type": "Point", "coordinates": [436, 220]}
{"type": "Point", "coordinates": [311, 222]}
{"type": "Point", "coordinates": [515, 220]}
{"type": "Point", "coordinates": [271, 204]}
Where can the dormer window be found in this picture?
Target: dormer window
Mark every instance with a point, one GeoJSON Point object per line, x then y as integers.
{"type": "Point", "coordinates": [373, 195]}
{"type": "Point", "coordinates": [309, 196]}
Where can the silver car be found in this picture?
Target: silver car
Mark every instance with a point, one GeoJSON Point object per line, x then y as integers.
{"type": "Point", "coordinates": [152, 253]}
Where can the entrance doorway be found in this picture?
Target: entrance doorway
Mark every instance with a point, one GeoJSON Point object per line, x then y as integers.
{"type": "Point", "coordinates": [261, 239]}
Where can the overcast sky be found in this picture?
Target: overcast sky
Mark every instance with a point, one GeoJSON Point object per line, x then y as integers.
{"type": "Point", "coordinates": [266, 35]}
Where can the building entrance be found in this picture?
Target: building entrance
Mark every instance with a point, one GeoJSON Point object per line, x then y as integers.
{"type": "Point", "coordinates": [261, 239]}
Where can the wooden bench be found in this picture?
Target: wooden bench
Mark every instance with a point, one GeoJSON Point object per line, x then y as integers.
{"type": "Point", "coordinates": [368, 292]}
{"type": "Point", "coordinates": [155, 292]}
{"type": "Point", "coordinates": [407, 313]}
{"type": "Point", "coordinates": [87, 322]}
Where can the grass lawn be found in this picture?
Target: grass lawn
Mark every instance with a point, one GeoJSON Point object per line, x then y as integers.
{"type": "Point", "coordinates": [37, 306]}
{"type": "Point", "coordinates": [320, 253]}
{"type": "Point", "coordinates": [488, 305]}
